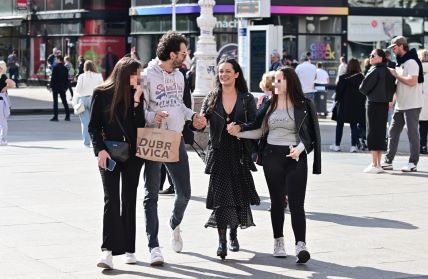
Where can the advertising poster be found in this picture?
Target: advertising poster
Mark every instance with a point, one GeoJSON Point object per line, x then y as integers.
{"type": "Point", "coordinates": [373, 29]}
{"type": "Point", "coordinates": [104, 51]}
{"type": "Point", "coordinates": [39, 50]}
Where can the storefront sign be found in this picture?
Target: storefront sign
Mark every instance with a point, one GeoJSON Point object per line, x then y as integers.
{"type": "Point", "coordinates": [373, 29]}
{"type": "Point", "coordinates": [252, 8]}
{"type": "Point", "coordinates": [21, 4]}
{"type": "Point", "coordinates": [226, 24]}
{"type": "Point", "coordinates": [322, 51]}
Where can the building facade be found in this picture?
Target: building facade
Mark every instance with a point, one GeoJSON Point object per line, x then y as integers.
{"type": "Point", "coordinates": [327, 28]}
{"type": "Point", "coordinates": [76, 27]}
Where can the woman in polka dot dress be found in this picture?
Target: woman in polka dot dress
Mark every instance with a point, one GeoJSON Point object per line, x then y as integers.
{"type": "Point", "coordinates": [231, 189]}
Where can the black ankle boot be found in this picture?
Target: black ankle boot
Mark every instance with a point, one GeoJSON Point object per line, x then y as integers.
{"type": "Point", "coordinates": [222, 244]}
{"type": "Point", "coordinates": [424, 149]}
{"type": "Point", "coordinates": [233, 240]}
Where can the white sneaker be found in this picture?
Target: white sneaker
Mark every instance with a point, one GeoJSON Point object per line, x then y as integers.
{"type": "Point", "coordinates": [156, 257]}
{"type": "Point", "coordinates": [353, 149]}
{"type": "Point", "coordinates": [302, 253]}
{"type": "Point", "coordinates": [129, 258]}
{"type": "Point", "coordinates": [335, 148]}
{"type": "Point", "coordinates": [409, 167]}
{"type": "Point", "coordinates": [278, 248]}
{"type": "Point", "coordinates": [373, 169]}
{"type": "Point", "coordinates": [106, 260]}
{"type": "Point", "coordinates": [176, 240]}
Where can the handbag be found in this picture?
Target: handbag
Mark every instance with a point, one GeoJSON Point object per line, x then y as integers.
{"type": "Point", "coordinates": [158, 144]}
{"type": "Point", "coordinates": [79, 108]}
{"type": "Point", "coordinates": [260, 149]}
{"type": "Point", "coordinates": [119, 150]}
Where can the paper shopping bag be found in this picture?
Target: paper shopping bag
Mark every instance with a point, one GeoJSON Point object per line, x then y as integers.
{"type": "Point", "coordinates": [158, 145]}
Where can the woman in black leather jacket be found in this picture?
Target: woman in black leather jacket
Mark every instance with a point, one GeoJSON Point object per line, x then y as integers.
{"type": "Point", "coordinates": [231, 189]}
{"type": "Point", "coordinates": [118, 102]}
{"type": "Point", "coordinates": [379, 87]}
{"type": "Point", "coordinates": [290, 126]}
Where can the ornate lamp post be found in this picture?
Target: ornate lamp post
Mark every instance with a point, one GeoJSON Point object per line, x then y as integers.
{"type": "Point", "coordinates": [206, 51]}
{"type": "Point", "coordinates": [174, 14]}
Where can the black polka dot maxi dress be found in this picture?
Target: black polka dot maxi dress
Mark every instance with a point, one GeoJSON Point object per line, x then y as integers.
{"type": "Point", "coordinates": [231, 188]}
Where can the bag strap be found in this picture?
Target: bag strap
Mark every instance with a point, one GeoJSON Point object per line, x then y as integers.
{"type": "Point", "coordinates": [123, 130]}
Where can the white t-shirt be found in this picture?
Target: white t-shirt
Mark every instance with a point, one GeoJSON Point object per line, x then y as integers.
{"type": "Point", "coordinates": [307, 73]}
{"type": "Point", "coordinates": [321, 78]}
{"type": "Point", "coordinates": [409, 97]}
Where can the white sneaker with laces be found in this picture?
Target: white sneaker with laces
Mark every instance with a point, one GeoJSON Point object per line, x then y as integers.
{"type": "Point", "coordinates": [278, 248]}
{"type": "Point", "coordinates": [106, 260]}
{"type": "Point", "coordinates": [176, 240]}
{"type": "Point", "coordinates": [156, 257]}
{"type": "Point", "coordinates": [335, 148]}
{"type": "Point", "coordinates": [409, 167]}
{"type": "Point", "coordinates": [129, 258]}
{"type": "Point", "coordinates": [386, 166]}
{"type": "Point", "coordinates": [353, 149]}
{"type": "Point", "coordinates": [302, 253]}
{"type": "Point", "coordinates": [373, 169]}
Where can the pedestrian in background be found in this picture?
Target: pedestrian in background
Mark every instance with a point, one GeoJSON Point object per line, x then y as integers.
{"type": "Point", "coordinates": [117, 112]}
{"type": "Point", "coordinates": [275, 61]}
{"type": "Point", "coordinates": [86, 83]}
{"type": "Point", "coordinates": [290, 124]}
{"type": "Point", "coordinates": [351, 105]}
{"type": "Point", "coordinates": [80, 66]}
{"type": "Point", "coordinates": [379, 87]}
{"type": "Point", "coordinates": [307, 72]}
{"type": "Point", "coordinates": [231, 188]}
{"type": "Point", "coordinates": [267, 86]}
{"type": "Point", "coordinates": [59, 85]}
{"type": "Point", "coordinates": [5, 84]}
{"type": "Point", "coordinates": [410, 78]}
{"type": "Point", "coordinates": [70, 68]}
{"type": "Point", "coordinates": [423, 117]}
{"type": "Point", "coordinates": [13, 67]}
{"type": "Point", "coordinates": [341, 70]}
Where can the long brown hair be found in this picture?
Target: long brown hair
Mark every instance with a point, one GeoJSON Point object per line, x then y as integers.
{"type": "Point", "coordinates": [119, 82]}
{"type": "Point", "coordinates": [294, 92]}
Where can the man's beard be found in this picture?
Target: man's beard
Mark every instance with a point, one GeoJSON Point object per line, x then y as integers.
{"type": "Point", "coordinates": [177, 64]}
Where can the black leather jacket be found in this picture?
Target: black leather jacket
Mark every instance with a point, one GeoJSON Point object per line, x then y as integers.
{"type": "Point", "coordinates": [245, 111]}
{"type": "Point", "coordinates": [306, 121]}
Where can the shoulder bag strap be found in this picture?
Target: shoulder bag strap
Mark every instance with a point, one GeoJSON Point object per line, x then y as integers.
{"type": "Point", "coordinates": [123, 130]}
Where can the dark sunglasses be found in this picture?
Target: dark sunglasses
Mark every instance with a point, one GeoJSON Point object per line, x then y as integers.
{"type": "Point", "coordinates": [372, 56]}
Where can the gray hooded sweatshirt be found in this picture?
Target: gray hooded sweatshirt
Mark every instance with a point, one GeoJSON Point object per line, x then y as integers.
{"type": "Point", "coordinates": [163, 91]}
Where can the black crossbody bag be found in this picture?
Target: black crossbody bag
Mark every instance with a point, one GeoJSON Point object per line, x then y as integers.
{"type": "Point", "coordinates": [119, 151]}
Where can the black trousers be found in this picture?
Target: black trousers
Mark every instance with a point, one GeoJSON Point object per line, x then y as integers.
{"type": "Point", "coordinates": [164, 175]}
{"type": "Point", "coordinates": [64, 102]}
{"type": "Point", "coordinates": [119, 221]}
{"type": "Point", "coordinates": [286, 176]}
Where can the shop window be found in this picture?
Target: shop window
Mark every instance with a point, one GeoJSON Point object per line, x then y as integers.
{"type": "Point", "coordinates": [320, 24]}
{"type": "Point", "coordinates": [184, 23]}
{"type": "Point", "coordinates": [71, 28]}
{"type": "Point", "coordinates": [104, 5]}
{"type": "Point", "coordinates": [52, 5]}
{"type": "Point", "coordinates": [415, 4]}
{"type": "Point", "coordinates": [160, 2]}
{"type": "Point", "coordinates": [326, 49]}
{"type": "Point", "coordinates": [39, 5]}
{"type": "Point", "coordinates": [6, 8]}
{"type": "Point", "coordinates": [412, 26]}
{"type": "Point", "coordinates": [70, 4]}
{"type": "Point", "coordinates": [289, 23]}
{"type": "Point", "coordinates": [52, 28]}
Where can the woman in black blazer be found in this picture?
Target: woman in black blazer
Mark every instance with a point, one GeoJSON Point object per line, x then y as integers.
{"type": "Point", "coordinates": [118, 102]}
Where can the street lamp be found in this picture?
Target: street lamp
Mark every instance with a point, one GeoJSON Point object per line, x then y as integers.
{"type": "Point", "coordinates": [174, 2]}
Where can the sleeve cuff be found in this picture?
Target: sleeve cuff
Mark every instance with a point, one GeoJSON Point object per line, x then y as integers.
{"type": "Point", "coordinates": [300, 147]}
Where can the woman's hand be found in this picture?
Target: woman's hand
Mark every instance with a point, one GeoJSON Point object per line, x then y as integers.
{"type": "Point", "coordinates": [160, 115]}
{"type": "Point", "coordinates": [102, 159]}
{"type": "Point", "coordinates": [138, 93]}
{"type": "Point", "coordinates": [294, 153]}
{"type": "Point", "coordinates": [233, 129]}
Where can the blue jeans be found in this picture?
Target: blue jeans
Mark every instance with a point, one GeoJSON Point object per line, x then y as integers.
{"type": "Point", "coordinates": [84, 118]}
{"type": "Point", "coordinates": [355, 133]}
{"type": "Point", "coordinates": [180, 174]}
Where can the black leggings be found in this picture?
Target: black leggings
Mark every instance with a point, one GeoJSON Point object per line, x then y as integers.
{"type": "Point", "coordinates": [119, 221]}
{"type": "Point", "coordinates": [423, 130]}
{"type": "Point", "coordinates": [285, 175]}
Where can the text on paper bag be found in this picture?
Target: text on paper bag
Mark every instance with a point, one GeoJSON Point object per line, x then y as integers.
{"type": "Point", "coordinates": [153, 147]}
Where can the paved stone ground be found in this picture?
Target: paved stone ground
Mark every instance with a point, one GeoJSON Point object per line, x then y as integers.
{"type": "Point", "coordinates": [51, 203]}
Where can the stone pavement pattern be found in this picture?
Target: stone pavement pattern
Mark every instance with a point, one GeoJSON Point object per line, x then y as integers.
{"type": "Point", "coordinates": [51, 203]}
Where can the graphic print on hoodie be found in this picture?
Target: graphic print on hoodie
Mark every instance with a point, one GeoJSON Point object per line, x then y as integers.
{"type": "Point", "coordinates": [163, 91]}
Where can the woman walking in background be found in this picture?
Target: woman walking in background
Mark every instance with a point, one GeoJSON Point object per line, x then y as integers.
{"type": "Point", "coordinates": [289, 123]}
{"type": "Point", "coordinates": [379, 87]}
{"type": "Point", "coordinates": [117, 112]}
{"type": "Point", "coordinates": [231, 189]}
{"type": "Point", "coordinates": [86, 83]}
{"type": "Point", "coordinates": [423, 117]}
{"type": "Point", "coordinates": [351, 105]}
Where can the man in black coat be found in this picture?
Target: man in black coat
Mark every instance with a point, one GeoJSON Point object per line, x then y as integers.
{"type": "Point", "coordinates": [59, 85]}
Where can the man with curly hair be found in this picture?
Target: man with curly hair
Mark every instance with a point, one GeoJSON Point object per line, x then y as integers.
{"type": "Point", "coordinates": [163, 86]}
